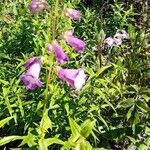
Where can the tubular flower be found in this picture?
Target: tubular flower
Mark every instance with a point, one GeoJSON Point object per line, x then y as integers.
{"type": "Point", "coordinates": [122, 34]}
{"type": "Point", "coordinates": [117, 41]}
{"type": "Point", "coordinates": [61, 57]}
{"type": "Point", "coordinates": [75, 77]}
{"type": "Point", "coordinates": [108, 42]}
{"type": "Point", "coordinates": [77, 44]}
{"type": "Point", "coordinates": [30, 78]}
{"type": "Point", "coordinates": [37, 5]}
{"type": "Point", "coordinates": [72, 13]}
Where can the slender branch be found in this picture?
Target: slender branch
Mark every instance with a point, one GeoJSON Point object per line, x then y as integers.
{"type": "Point", "coordinates": [99, 48]}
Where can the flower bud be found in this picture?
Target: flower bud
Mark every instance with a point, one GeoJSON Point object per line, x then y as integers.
{"type": "Point", "coordinates": [72, 13]}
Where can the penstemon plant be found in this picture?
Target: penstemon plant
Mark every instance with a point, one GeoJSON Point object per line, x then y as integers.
{"type": "Point", "coordinates": [73, 79]}
{"type": "Point", "coordinates": [54, 59]}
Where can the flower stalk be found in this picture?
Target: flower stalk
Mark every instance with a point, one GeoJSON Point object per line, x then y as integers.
{"type": "Point", "coordinates": [99, 48]}
{"type": "Point", "coordinates": [50, 68]}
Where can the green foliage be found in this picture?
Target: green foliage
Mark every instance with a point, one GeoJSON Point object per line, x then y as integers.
{"type": "Point", "coordinates": [111, 111]}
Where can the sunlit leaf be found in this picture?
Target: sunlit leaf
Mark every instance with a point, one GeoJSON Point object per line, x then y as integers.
{"type": "Point", "coordinates": [45, 123]}
{"type": "Point", "coordinates": [5, 121]}
{"type": "Point", "coordinates": [8, 139]}
{"type": "Point", "coordinates": [29, 140]}
{"type": "Point", "coordinates": [87, 127]}
{"type": "Point", "coordinates": [75, 128]}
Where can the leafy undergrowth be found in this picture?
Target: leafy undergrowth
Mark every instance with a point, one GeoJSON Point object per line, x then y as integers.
{"type": "Point", "coordinates": [110, 111]}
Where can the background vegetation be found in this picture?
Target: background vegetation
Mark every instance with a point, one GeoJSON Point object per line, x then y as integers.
{"type": "Point", "coordinates": [112, 109]}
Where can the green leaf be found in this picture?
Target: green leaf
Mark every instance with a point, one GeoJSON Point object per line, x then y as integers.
{"type": "Point", "coordinates": [7, 102]}
{"type": "Point", "coordinates": [87, 127]}
{"type": "Point", "coordinates": [15, 10]}
{"type": "Point", "coordinates": [75, 128]}
{"type": "Point", "coordinates": [20, 106]}
{"type": "Point", "coordinates": [129, 113]}
{"type": "Point", "coordinates": [131, 31]}
{"type": "Point", "coordinates": [67, 108]}
{"type": "Point", "coordinates": [8, 106]}
{"type": "Point", "coordinates": [132, 139]}
{"type": "Point", "coordinates": [142, 105]}
{"type": "Point", "coordinates": [101, 36]}
{"type": "Point", "coordinates": [143, 147]}
{"type": "Point", "coordinates": [101, 95]}
{"type": "Point", "coordinates": [101, 70]}
{"type": "Point", "coordinates": [8, 139]}
{"type": "Point", "coordinates": [126, 103]}
{"type": "Point", "coordinates": [135, 121]}
{"type": "Point", "coordinates": [4, 121]}
{"type": "Point", "coordinates": [45, 123]}
{"type": "Point", "coordinates": [29, 140]}
{"type": "Point", "coordinates": [103, 120]}
{"type": "Point", "coordinates": [4, 82]}
{"type": "Point", "coordinates": [147, 131]}
{"type": "Point", "coordinates": [83, 145]}
{"type": "Point", "coordinates": [51, 141]}
{"type": "Point", "coordinates": [43, 145]}
{"type": "Point", "coordinates": [39, 105]}
{"type": "Point", "coordinates": [135, 87]}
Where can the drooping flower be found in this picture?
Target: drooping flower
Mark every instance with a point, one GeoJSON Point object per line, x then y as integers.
{"type": "Point", "coordinates": [31, 77]}
{"type": "Point", "coordinates": [117, 41]}
{"type": "Point", "coordinates": [108, 42]}
{"type": "Point", "coordinates": [37, 5]}
{"type": "Point", "coordinates": [72, 13]}
{"type": "Point", "coordinates": [61, 57]}
{"type": "Point", "coordinates": [77, 44]}
{"type": "Point", "coordinates": [75, 77]}
{"type": "Point", "coordinates": [121, 34]}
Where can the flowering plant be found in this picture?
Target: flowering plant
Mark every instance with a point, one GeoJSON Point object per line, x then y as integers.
{"type": "Point", "coordinates": [74, 80]}
{"type": "Point", "coordinates": [30, 78]}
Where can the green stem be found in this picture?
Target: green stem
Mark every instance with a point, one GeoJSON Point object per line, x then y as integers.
{"type": "Point", "coordinates": [49, 71]}
{"type": "Point", "coordinates": [99, 48]}
{"type": "Point", "coordinates": [54, 20]}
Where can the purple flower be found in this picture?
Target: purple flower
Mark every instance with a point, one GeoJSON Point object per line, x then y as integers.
{"type": "Point", "coordinates": [76, 43]}
{"type": "Point", "coordinates": [75, 77]}
{"type": "Point", "coordinates": [72, 13]}
{"type": "Point", "coordinates": [108, 42]}
{"type": "Point", "coordinates": [30, 78]}
{"type": "Point", "coordinates": [37, 5]}
{"type": "Point", "coordinates": [61, 57]}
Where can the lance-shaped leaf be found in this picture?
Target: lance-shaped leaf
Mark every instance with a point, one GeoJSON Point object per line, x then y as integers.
{"type": "Point", "coordinates": [4, 121]}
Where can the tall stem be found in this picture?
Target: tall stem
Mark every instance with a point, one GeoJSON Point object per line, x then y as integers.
{"type": "Point", "coordinates": [54, 20]}
{"type": "Point", "coordinates": [50, 68]}
{"type": "Point", "coordinates": [99, 48]}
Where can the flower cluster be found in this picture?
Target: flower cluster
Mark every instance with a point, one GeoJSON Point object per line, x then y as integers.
{"type": "Point", "coordinates": [74, 77]}
{"type": "Point", "coordinates": [116, 40]}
